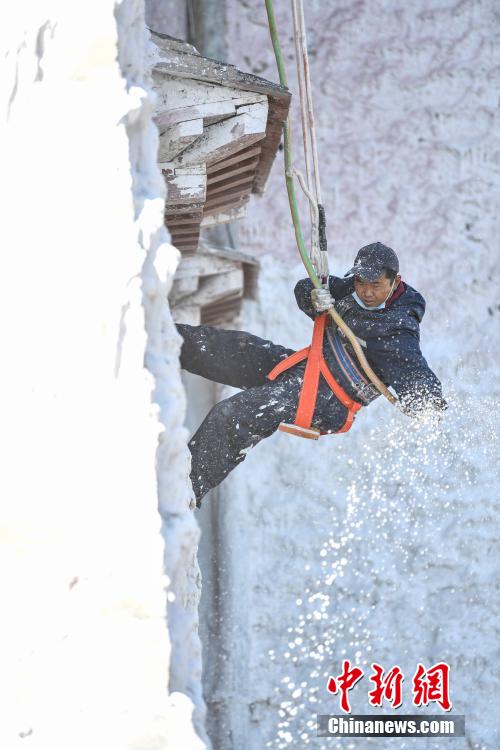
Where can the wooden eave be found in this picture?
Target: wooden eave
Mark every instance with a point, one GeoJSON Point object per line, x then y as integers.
{"type": "Point", "coordinates": [210, 286]}
{"type": "Point", "coordinates": [216, 148]}
{"type": "Point", "coordinates": [182, 61]}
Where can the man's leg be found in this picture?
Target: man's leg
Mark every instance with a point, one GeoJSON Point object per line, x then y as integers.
{"type": "Point", "coordinates": [237, 424]}
{"type": "Point", "coordinates": [233, 358]}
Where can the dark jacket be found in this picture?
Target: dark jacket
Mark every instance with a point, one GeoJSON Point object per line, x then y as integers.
{"type": "Point", "coordinates": [390, 340]}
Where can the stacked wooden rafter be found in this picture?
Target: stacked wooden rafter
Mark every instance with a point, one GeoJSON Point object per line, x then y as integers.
{"type": "Point", "coordinates": [209, 286]}
{"type": "Point", "coordinates": [219, 133]}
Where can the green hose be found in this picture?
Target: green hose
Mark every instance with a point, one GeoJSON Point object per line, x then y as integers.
{"type": "Point", "coordinates": [288, 153]}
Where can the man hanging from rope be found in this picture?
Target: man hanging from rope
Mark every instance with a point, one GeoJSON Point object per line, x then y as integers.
{"type": "Point", "coordinates": [383, 311]}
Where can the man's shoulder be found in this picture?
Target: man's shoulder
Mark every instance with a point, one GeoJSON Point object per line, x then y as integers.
{"type": "Point", "coordinates": [409, 302]}
{"type": "Point", "coordinates": [405, 313]}
{"type": "Point", "coordinates": [399, 320]}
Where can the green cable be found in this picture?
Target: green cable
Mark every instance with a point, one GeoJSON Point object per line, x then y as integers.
{"type": "Point", "coordinates": [292, 199]}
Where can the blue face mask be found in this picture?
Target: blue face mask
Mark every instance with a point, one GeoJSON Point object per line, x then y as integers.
{"type": "Point", "coordinates": [376, 307]}
{"type": "Point", "coordinates": [367, 307]}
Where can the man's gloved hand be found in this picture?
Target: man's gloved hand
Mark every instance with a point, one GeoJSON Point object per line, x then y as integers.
{"type": "Point", "coordinates": [321, 300]}
{"type": "Point", "coordinates": [424, 407]}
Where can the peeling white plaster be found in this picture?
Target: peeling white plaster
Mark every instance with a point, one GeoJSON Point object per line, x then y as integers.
{"type": "Point", "coordinates": [85, 650]}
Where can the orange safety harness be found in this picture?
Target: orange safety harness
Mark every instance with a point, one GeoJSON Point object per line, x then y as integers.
{"type": "Point", "coordinates": [315, 367]}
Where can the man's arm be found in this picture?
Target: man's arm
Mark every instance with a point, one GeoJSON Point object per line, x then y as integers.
{"type": "Point", "coordinates": [403, 366]}
{"type": "Point", "coordinates": [338, 288]}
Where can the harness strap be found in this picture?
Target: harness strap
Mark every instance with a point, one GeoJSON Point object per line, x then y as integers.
{"type": "Point", "coordinates": [315, 367]}
{"type": "Point", "coordinates": [351, 405]}
{"type": "Point", "coordinates": [310, 383]}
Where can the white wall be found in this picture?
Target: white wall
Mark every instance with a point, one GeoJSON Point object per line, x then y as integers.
{"type": "Point", "coordinates": [168, 17]}
{"type": "Point", "coordinates": [379, 545]}
{"type": "Point", "coordinates": [86, 266]}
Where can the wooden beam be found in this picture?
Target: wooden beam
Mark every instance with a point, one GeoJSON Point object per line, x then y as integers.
{"type": "Point", "coordinates": [248, 165]}
{"type": "Point", "coordinates": [190, 314]}
{"type": "Point", "coordinates": [179, 92]}
{"type": "Point", "coordinates": [171, 63]}
{"type": "Point", "coordinates": [186, 244]}
{"type": "Point", "coordinates": [231, 192]}
{"type": "Point", "coordinates": [219, 286]}
{"type": "Point", "coordinates": [189, 210]}
{"type": "Point", "coordinates": [171, 169]}
{"type": "Point", "coordinates": [182, 220]}
{"type": "Point", "coordinates": [170, 117]}
{"type": "Point", "coordinates": [204, 265]}
{"type": "Point", "coordinates": [245, 153]}
{"type": "Point", "coordinates": [186, 189]}
{"type": "Point", "coordinates": [188, 251]}
{"type": "Point", "coordinates": [182, 286]}
{"type": "Point", "coordinates": [226, 204]}
{"type": "Point", "coordinates": [177, 137]}
{"type": "Point", "coordinates": [185, 230]}
{"type": "Point", "coordinates": [243, 181]}
{"type": "Point", "coordinates": [221, 312]}
{"type": "Point", "coordinates": [166, 42]}
{"type": "Point", "coordinates": [231, 214]}
{"type": "Point", "coordinates": [225, 138]}
{"type": "Point", "coordinates": [179, 100]}
{"type": "Point", "coordinates": [231, 254]}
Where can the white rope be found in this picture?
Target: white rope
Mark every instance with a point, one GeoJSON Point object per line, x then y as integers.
{"type": "Point", "coordinates": [308, 88]}
{"type": "Point", "coordinates": [301, 80]}
{"type": "Point", "coordinates": [313, 188]}
{"type": "Point", "coordinates": [313, 204]}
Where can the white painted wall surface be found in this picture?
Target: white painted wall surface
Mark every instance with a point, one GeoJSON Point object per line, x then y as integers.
{"type": "Point", "coordinates": [168, 17]}
{"type": "Point", "coordinates": [382, 544]}
{"type": "Point", "coordinates": [84, 650]}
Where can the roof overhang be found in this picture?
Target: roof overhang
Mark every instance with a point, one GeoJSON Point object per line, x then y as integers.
{"type": "Point", "coordinates": [220, 129]}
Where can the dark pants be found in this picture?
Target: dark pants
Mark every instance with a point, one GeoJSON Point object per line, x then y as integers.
{"type": "Point", "coordinates": [238, 423]}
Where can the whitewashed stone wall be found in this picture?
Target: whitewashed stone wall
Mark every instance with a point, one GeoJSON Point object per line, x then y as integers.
{"type": "Point", "coordinates": [84, 650]}
{"type": "Point", "coordinates": [168, 17]}
{"type": "Point", "coordinates": [380, 545]}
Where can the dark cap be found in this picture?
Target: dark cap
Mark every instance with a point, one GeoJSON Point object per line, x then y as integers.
{"type": "Point", "coordinates": [372, 260]}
